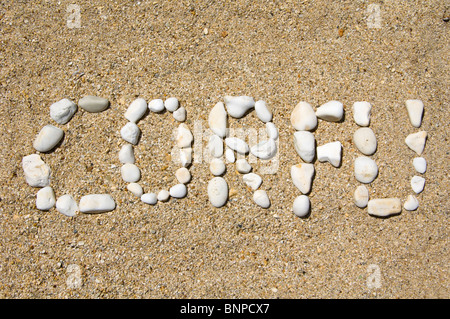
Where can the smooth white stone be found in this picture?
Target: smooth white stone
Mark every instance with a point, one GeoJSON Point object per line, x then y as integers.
{"type": "Point", "coordinates": [332, 111]}
{"type": "Point", "coordinates": [93, 104]}
{"type": "Point", "coordinates": [361, 113]}
{"type": "Point", "coordinates": [215, 146]}
{"type": "Point", "coordinates": [180, 114]}
{"type": "Point", "coordinates": [330, 152]}
{"type": "Point", "coordinates": [149, 198]}
{"type": "Point", "coordinates": [302, 176]}
{"type": "Point", "coordinates": [416, 141]}
{"type": "Point", "coordinates": [178, 191]}
{"type": "Point", "coordinates": [97, 203]}
{"type": "Point", "coordinates": [217, 120]}
{"type": "Point", "coordinates": [411, 203]}
{"type": "Point", "coordinates": [156, 105]}
{"type": "Point", "coordinates": [217, 166]}
{"type": "Point", "coordinates": [126, 154]}
{"type": "Point", "coordinates": [242, 166]}
{"type": "Point", "coordinates": [237, 106]}
{"type": "Point", "coordinates": [62, 111]}
{"type": "Point", "coordinates": [366, 170]}
{"type": "Point", "coordinates": [130, 173]}
{"type": "Point", "coordinates": [183, 175]}
{"type": "Point", "coordinates": [184, 136]}
{"type": "Point", "coordinates": [303, 117]}
{"type": "Point", "coordinates": [261, 198]}
{"type": "Point", "coordinates": [135, 189]}
{"type": "Point", "coordinates": [252, 180]}
{"type": "Point", "coordinates": [163, 196]}
{"type": "Point", "coordinates": [130, 132]}
{"type": "Point", "coordinates": [45, 198]}
{"type": "Point", "coordinates": [136, 110]}
{"type": "Point", "coordinates": [415, 112]}
{"type": "Point", "coordinates": [37, 173]}
{"type": "Point", "coordinates": [420, 164]}
{"type": "Point", "coordinates": [238, 145]}
{"type": "Point", "coordinates": [301, 206]}
{"type": "Point", "coordinates": [383, 207]}
{"type": "Point", "coordinates": [271, 130]}
{"type": "Point", "coordinates": [186, 156]}
{"type": "Point", "coordinates": [417, 184]}
{"type": "Point", "coordinates": [67, 205]}
{"type": "Point", "coordinates": [305, 145]}
{"type": "Point", "coordinates": [229, 155]}
{"type": "Point", "coordinates": [365, 140]}
{"type": "Point", "coordinates": [171, 104]}
{"type": "Point", "coordinates": [218, 191]}
{"type": "Point", "coordinates": [361, 196]}
{"type": "Point", "coordinates": [263, 112]}
{"type": "Point", "coordinates": [49, 136]}
{"type": "Point", "coordinates": [265, 150]}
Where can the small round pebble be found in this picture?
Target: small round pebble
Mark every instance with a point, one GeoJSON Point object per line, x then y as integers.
{"type": "Point", "coordinates": [178, 191]}
{"type": "Point", "coordinates": [417, 141]}
{"type": "Point", "coordinates": [361, 113]}
{"type": "Point", "coordinates": [229, 155]}
{"type": "Point", "coordinates": [149, 198]}
{"type": "Point", "coordinates": [365, 140]}
{"type": "Point", "coordinates": [135, 189]}
{"type": "Point", "coordinates": [411, 203]}
{"type": "Point", "coordinates": [366, 170]}
{"type": "Point", "coordinates": [252, 180]}
{"type": "Point", "coordinates": [271, 130]}
{"type": "Point", "coordinates": [156, 105]}
{"type": "Point", "coordinates": [417, 184]}
{"type": "Point", "coordinates": [217, 166]}
{"type": "Point", "coordinates": [130, 173]}
{"type": "Point", "coordinates": [130, 132]}
{"type": "Point", "coordinates": [330, 152]}
{"type": "Point", "coordinates": [62, 111]}
{"type": "Point", "coordinates": [420, 165]}
{"type": "Point", "coordinates": [332, 111]}
{"type": "Point", "coordinates": [96, 203]}
{"type": "Point", "coordinates": [303, 117]}
{"type": "Point", "coordinates": [361, 196]}
{"type": "Point", "coordinates": [126, 154]}
{"type": "Point", "coordinates": [171, 104]}
{"type": "Point", "coordinates": [237, 106]}
{"type": "Point", "coordinates": [93, 104]}
{"type": "Point", "coordinates": [305, 145]}
{"type": "Point", "coordinates": [67, 205]}
{"type": "Point", "coordinates": [218, 191]}
{"type": "Point", "coordinates": [49, 136]}
{"type": "Point", "coordinates": [242, 166]}
{"type": "Point", "coordinates": [180, 114]}
{"type": "Point", "coordinates": [265, 150]}
{"type": "Point", "coordinates": [136, 110]}
{"type": "Point", "coordinates": [163, 196]}
{"type": "Point", "coordinates": [263, 112]}
{"type": "Point", "coordinates": [261, 198]}
{"type": "Point", "coordinates": [183, 175]}
{"type": "Point", "coordinates": [37, 173]}
{"type": "Point", "coordinates": [301, 206]}
{"type": "Point", "coordinates": [45, 198]}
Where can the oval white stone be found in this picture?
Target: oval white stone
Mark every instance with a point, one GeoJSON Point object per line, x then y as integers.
{"type": "Point", "coordinates": [136, 110]}
{"type": "Point", "coordinates": [261, 198]}
{"type": "Point", "coordinates": [263, 112]}
{"type": "Point", "coordinates": [97, 203]}
{"type": "Point", "coordinates": [126, 154]}
{"type": "Point", "coordinates": [411, 203]}
{"type": "Point", "coordinates": [49, 136]}
{"type": "Point", "coordinates": [302, 176]}
{"type": "Point", "coordinates": [252, 180]}
{"type": "Point", "coordinates": [217, 120]}
{"type": "Point", "coordinates": [135, 189]}
{"type": "Point", "coordinates": [238, 145]}
{"type": "Point", "coordinates": [332, 111]}
{"type": "Point", "coordinates": [66, 205]}
{"type": "Point", "coordinates": [420, 165]}
{"type": "Point", "coordinates": [217, 166]}
{"type": "Point", "coordinates": [229, 155]}
{"type": "Point", "coordinates": [184, 136]}
{"type": "Point", "coordinates": [365, 140]}
{"type": "Point", "coordinates": [130, 133]}
{"type": "Point", "coordinates": [237, 106]}
{"type": "Point", "coordinates": [218, 191]}
{"type": "Point", "coordinates": [242, 166]}
{"type": "Point", "coordinates": [265, 150]}
{"type": "Point", "coordinates": [305, 145]}
{"type": "Point", "coordinates": [303, 117]}
{"type": "Point", "coordinates": [171, 104]}
{"type": "Point", "coordinates": [93, 104]}
{"type": "Point", "coordinates": [180, 114]}
{"type": "Point", "coordinates": [62, 111]}
{"type": "Point", "coordinates": [163, 196]}
{"type": "Point", "coordinates": [178, 191]}
{"type": "Point", "coordinates": [183, 175]}
{"type": "Point", "coordinates": [417, 184]}
{"type": "Point", "coordinates": [416, 141]}
{"type": "Point", "coordinates": [301, 206]}
{"type": "Point", "coordinates": [37, 173]}
{"type": "Point", "coordinates": [361, 113]}
{"type": "Point", "coordinates": [330, 152]}
{"type": "Point", "coordinates": [149, 198]}
{"type": "Point", "coordinates": [45, 198]}
{"type": "Point", "coordinates": [215, 146]}
{"type": "Point", "coordinates": [366, 170]}
{"type": "Point", "coordinates": [361, 196]}
{"type": "Point", "coordinates": [271, 130]}
{"type": "Point", "coordinates": [156, 105]}
{"type": "Point", "coordinates": [415, 112]}
{"type": "Point", "coordinates": [130, 173]}
{"type": "Point", "coordinates": [384, 207]}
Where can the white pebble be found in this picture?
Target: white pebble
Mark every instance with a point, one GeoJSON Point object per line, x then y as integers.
{"type": "Point", "coordinates": [45, 198]}
{"type": "Point", "coordinates": [416, 141]}
{"type": "Point", "coordinates": [217, 120]}
{"type": "Point", "coordinates": [263, 112]}
{"type": "Point", "coordinates": [302, 176]}
{"type": "Point", "coordinates": [238, 145]}
{"type": "Point", "coordinates": [420, 165]}
{"type": "Point", "coordinates": [411, 203]}
{"type": "Point", "coordinates": [265, 150]}
{"type": "Point", "coordinates": [62, 111]}
{"type": "Point", "coordinates": [171, 104]}
{"type": "Point", "coordinates": [135, 189]}
{"type": "Point", "coordinates": [415, 112]}
{"type": "Point", "coordinates": [229, 155]}
{"type": "Point", "coordinates": [252, 180]}
{"type": "Point", "coordinates": [163, 196]}
{"type": "Point", "coordinates": [305, 145]}
{"type": "Point", "coordinates": [301, 206]}
{"type": "Point", "coordinates": [218, 191]}
{"type": "Point", "coordinates": [49, 136]}
{"type": "Point", "coordinates": [384, 207]}
{"type": "Point", "coordinates": [126, 154]}
{"type": "Point", "coordinates": [366, 169]}
{"type": "Point", "coordinates": [93, 104]}
{"type": "Point", "coordinates": [417, 184]}
{"type": "Point", "coordinates": [215, 146]}
{"type": "Point", "coordinates": [303, 117]}
{"type": "Point", "coordinates": [156, 105]}
{"type": "Point", "coordinates": [180, 114]}
{"type": "Point", "coordinates": [178, 191]}
{"type": "Point", "coordinates": [330, 152]}
{"type": "Point", "coordinates": [217, 166]}
{"type": "Point", "coordinates": [242, 166]}
{"type": "Point", "coordinates": [37, 173]}
{"type": "Point", "coordinates": [332, 111]}
{"type": "Point", "coordinates": [361, 196]}
{"type": "Point", "coordinates": [97, 203]}
{"type": "Point", "coordinates": [136, 110]}
{"type": "Point", "coordinates": [183, 175]}
{"type": "Point", "coordinates": [237, 106]}
{"type": "Point", "coordinates": [130, 173]}
{"type": "Point", "coordinates": [186, 156]}
{"type": "Point", "coordinates": [67, 205]}
{"type": "Point", "coordinates": [149, 198]}
{"type": "Point", "coordinates": [361, 113]}
{"type": "Point", "coordinates": [184, 136]}
{"type": "Point", "coordinates": [130, 132]}
{"type": "Point", "coordinates": [261, 198]}
{"type": "Point", "coordinates": [271, 130]}
{"type": "Point", "coordinates": [365, 140]}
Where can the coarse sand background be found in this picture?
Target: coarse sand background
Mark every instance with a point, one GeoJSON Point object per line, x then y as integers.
{"type": "Point", "coordinates": [199, 51]}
